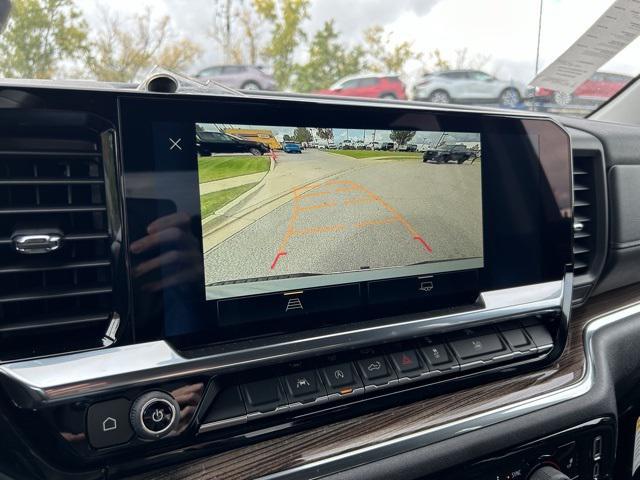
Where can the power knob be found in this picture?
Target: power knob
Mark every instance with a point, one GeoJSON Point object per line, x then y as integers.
{"type": "Point", "coordinates": [547, 472]}
{"type": "Point", "coordinates": [154, 415]}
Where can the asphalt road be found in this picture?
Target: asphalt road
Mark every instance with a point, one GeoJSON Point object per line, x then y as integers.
{"type": "Point", "coordinates": [374, 214]}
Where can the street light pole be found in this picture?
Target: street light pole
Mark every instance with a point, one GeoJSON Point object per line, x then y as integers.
{"type": "Point", "coordinates": [539, 30]}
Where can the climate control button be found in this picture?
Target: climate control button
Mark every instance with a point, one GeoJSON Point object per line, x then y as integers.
{"type": "Point", "coordinates": [154, 415]}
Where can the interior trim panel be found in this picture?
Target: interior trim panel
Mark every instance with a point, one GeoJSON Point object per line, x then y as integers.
{"type": "Point", "coordinates": [42, 381]}
{"type": "Point", "coordinates": [369, 439]}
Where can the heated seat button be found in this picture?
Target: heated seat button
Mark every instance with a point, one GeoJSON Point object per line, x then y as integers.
{"type": "Point", "coordinates": [407, 363]}
{"type": "Point", "coordinates": [264, 395]}
{"type": "Point", "coordinates": [108, 423]}
{"type": "Point", "coordinates": [477, 347]}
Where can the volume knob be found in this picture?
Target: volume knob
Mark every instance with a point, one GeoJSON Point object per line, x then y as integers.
{"type": "Point", "coordinates": [154, 415]}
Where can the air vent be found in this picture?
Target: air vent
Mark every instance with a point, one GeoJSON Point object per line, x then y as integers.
{"type": "Point", "coordinates": [585, 212]}
{"type": "Point", "coordinates": [52, 185]}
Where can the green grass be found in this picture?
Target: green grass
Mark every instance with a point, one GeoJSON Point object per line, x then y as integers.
{"type": "Point", "coordinates": [377, 154]}
{"type": "Point", "coordinates": [211, 202]}
{"type": "Point", "coordinates": [217, 168]}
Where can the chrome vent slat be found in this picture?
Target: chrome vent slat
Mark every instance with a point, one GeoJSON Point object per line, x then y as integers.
{"type": "Point", "coordinates": [52, 182]}
{"type": "Point", "coordinates": [52, 322]}
{"type": "Point", "coordinates": [39, 266]}
{"type": "Point", "coordinates": [71, 237]}
{"type": "Point", "coordinates": [51, 293]}
{"type": "Point", "coordinates": [44, 153]}
{"type": "Point", "coordinates": [52, 209]}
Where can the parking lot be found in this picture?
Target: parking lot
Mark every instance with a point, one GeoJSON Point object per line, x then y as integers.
{"type": "Point", "coordinates": [371, 214]}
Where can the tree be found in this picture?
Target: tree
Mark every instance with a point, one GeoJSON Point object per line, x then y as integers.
{"type": "Point", "coordinates": [286, 137]}
{"type": "Point", "coordinates": [463, 61]}
{"type": "Point", "coordinates": [385, 56]}
{"type": "Point", "coordinates": [41, 36]}
{"type": "Point", "coordinates": [329, 60]}
{"type": "Point", "coordinates": [237, 29]}
{"type": "Point", "coordinates": [124, 49]}
{"type": "Point", "coordinates": [325, 133]}
{"type": "Point", "coordinates": [466, 61]}
{"type": "Point", "coordinates": [302, 134]}
{"type": "Point", "coordinates": [285, 18]}
{"type": "Point", "coordinates": [401, 137]}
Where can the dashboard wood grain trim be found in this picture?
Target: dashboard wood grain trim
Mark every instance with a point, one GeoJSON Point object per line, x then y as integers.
{"type": "Point", "coordinates": [291, 451]}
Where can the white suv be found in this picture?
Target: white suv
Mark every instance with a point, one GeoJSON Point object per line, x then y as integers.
{"type": "Point", "coordinates": [467, 86]}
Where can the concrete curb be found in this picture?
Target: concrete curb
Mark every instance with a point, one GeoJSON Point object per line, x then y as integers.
{"type": "Point", "coordinates": [219, 222]}
{"type": "Point", "coordinates": [217, 217]}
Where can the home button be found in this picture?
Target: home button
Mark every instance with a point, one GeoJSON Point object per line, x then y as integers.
{"type": "Point", "coordinates": [108, 423]}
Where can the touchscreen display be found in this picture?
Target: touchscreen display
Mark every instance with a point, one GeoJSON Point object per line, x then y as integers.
{"type": "Point", "coordinates": [310, 206]}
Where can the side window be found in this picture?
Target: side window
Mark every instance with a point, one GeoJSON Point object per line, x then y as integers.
{"type": "Point", "coordinates": [220, 137]}
{"type": "Point", "coordinates": [367, 82]}
{"type": "Point", "coordinates": [480, 76]}
{"type": "Point", "coordinates": [233, 70]}
{"type": "Point", "coordinates": [350, 83]}
{"type": "Point", "coordinates": [454, 75]}
{"type": "Point", "coordinates": [210, 72]}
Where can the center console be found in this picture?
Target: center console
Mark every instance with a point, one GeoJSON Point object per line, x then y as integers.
{"type": "Point", "coordinates": [286, 263]}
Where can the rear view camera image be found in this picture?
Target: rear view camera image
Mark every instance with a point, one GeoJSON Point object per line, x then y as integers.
{"type": "Point", "coordinates": [292, 202]}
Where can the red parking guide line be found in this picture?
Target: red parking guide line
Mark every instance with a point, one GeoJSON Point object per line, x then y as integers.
{"type": "Point", "coordinates": [275, 260]}
{"type": "Point", "coordinates": [424, 244]}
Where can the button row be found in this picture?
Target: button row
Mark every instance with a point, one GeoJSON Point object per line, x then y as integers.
{"type": "Point", "coordinates": [375, 369]}
{"type": "Point", "coordinates": [344, 297]}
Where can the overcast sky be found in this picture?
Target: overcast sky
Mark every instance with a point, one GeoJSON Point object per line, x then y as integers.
{"type": "Point", "coordinates": [504, 29]}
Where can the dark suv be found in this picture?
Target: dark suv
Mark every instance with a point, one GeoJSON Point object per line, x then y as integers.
{"type": "Point", "coordinates": [216, 142]}
{"type": "Point", "coordinates": [449, 153]}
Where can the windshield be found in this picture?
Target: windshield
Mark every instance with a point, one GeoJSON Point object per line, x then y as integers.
{"type": "Point", "coordinates": [483, 52]}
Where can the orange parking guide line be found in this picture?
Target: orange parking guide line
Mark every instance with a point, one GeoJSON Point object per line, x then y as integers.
{"type": "Point", "coordinates": [358, 201]}
{"type": "Point", "coordinates": [342, 186]}
{"type": "Point", "coordinates": [317, 206]}
{"type": "Point", "coordinates": [311, 230]}
{"type": "Point", "coordinates": [381, 221]}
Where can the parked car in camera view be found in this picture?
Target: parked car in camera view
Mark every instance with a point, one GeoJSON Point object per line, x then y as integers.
{"type": "Point", "coordinates": [449, 153]}
{"type": "Point", "coordinates": [243, 77]}
{"type": "Point", "coordinates": [291, 147]}
{"type": "Point", "coordinates": [468, 86]}
{"type": "Point", "coordinates": [208, 143]}
{"type": "Point", "coordinates": [600, 87]}
{"type": "Point", "coordinates": [374, 85]}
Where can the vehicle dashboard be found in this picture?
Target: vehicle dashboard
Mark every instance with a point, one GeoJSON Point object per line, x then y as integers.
{"type": "Point", "coordinates": [411, 331]}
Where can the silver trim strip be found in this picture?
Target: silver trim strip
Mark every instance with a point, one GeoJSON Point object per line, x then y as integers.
{"type": "Point", "coordinates": [429, 436]}
{"type": "Point", "coordinates": [52, 379]}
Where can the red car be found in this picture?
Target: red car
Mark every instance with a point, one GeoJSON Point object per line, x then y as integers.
{"type": "Point", "coordinates": [600, 87]}
{"type": "Point", "coordinates": [375, 86]}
